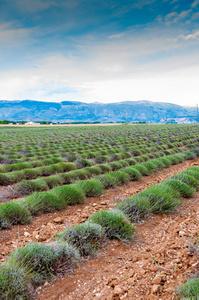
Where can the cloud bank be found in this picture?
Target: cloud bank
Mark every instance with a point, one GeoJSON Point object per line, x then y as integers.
{"type": "Point", "coordinates": [99, 51]}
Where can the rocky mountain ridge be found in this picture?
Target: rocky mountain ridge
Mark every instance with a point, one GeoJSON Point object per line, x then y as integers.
{"type": "Point", "coordinates": [75, 111]}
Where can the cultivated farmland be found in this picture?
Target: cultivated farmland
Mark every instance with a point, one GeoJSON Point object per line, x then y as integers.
{"type": "Point", "coordinates": [98, 183]}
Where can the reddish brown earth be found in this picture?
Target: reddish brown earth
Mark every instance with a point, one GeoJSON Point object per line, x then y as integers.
{"type": "Point", "coordinates": [44, 226]}
{"type": "Point", "coordinates": [149, 268]}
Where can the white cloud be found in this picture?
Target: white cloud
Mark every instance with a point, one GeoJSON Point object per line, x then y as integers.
{"type": "Point", "coordinates": [175, 17]}
{"type": "Point", "coordinates": [195, 3]}
{"type": "Point", "coordinates": [132, 65]}
{"type": "Point", "coordinates": [170, 80]}
{"type": "Point", "coordinates": [195, 16]}
{"type": "Point", "coordinates": [174, 1]}
{"type": "Point", "coordinates": [13, 37]}
{"type": "Point", "coordinates": [140, 3]}
{"type": "Point", "coordinates": [32, 6]}
{"type": "Point", "coordinates": [192, 36]}
{"type": "Point", "coordinates": [117, 36]}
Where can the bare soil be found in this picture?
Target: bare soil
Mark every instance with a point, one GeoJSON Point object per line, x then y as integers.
{"type": "Point", "coordinates": [149, 268]}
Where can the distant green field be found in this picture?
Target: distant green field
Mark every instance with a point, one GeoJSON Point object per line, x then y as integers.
{"type": "Point", "coordinates": [28, 153]}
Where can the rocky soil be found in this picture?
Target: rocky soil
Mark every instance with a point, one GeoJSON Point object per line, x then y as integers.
{"type": "Point", "coordinates": [159, 259]}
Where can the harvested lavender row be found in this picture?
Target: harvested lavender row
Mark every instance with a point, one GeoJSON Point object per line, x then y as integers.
{"type": "Point", "coordinates": [22, 210]}
{"type": "Point", "coordinates": [31, 266]}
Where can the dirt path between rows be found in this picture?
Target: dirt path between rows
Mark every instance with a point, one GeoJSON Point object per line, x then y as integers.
{"type": "Point", "coordinates": [150, 268]}
{"type": "Point", "coordinates": [43, 227]}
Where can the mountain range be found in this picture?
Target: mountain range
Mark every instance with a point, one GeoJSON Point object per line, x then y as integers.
{"type": "Point", "coordinates": [75, 111]}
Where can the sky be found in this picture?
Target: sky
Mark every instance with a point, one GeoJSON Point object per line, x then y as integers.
{"type": "Point", "coordinates": [100, 50]}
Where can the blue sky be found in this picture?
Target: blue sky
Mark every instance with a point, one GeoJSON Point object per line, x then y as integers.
{"type": "Point", "coordinates": [105, 51]}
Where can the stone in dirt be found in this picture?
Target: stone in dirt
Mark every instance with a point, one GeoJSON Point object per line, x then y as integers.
{"type": "Point", "coordinates": [155, 289]}
{"type": "Point", "coordinates": [58, 220]}
{"type": "Point", "coordinates": [46, 233]}
{"type": "Point", "coordinates": [153, 297]}
{"type": "Point", "coordinates": [113, 281]}
{"type": "Point", "coordinates": [84, 215]}
{"type": "Point", "coordinates": [26, 234]}
{"type": "Point", "coordinates": [103, 203]}
{"type": "Point", "coordinates": [130, 281]}
{"type": "Point", "coordinates": [118, 291]}
{"type": "Point", "coordinates": [182, 233]}
{"type": "Point", "coordinates": [157, 279]}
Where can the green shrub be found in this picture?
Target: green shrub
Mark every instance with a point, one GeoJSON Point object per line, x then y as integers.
{"type": "Point", "coordinates": [159, 164]}
{"type": "Point", "coordinates": [196, 169]}
{"type": "Point", "coordinates": [94, 170]}
{"type": "Point", "coordinates": [48, 161]}
{"type": "Point", "coordinates": [87, 237]}
{"type": "Point", "coordinates": [82, 162]}
{"type": "Point", "coordinates": [151, 166]}
{"type": "Point", "coordinates": [91, 188]}
{"type": "Point", "coordinates": [46, 170]}
{"type": "Point", "coordinates": [53, 181]}
{"type": "Point", "coordinates": [161, 154]}
{"type": "Point", "coordinates": [105, 168]}
{"type": "Point", "coordinates": [75, 175]}
{"type": "Point", "coordinates": [12, 213]}
{"type": "Point", "coordinates": [190, 290]}
{"type": "Point", "coordinates": [67, 166]}
{"type": "Point", "coordinates": [135, 151]}
{"type": "Point", "coordinates": [131, 161]}
{"type": "Point", "coordinates": [162, 198]}
{"type": "Point", "coordinates": [190, 155]}
{"type": "Point", "coordinates": [44, 202]}
{"type": "Point", "coordinates": [115, 223]}
{"type": "Point", "coordinates": [88, 155]}
{"type": "Point", "coordinates": [174, 160]}
{"type": "Point", "coordinates": [101, 159]}
{"type": "Point", "coordinates": [70, 194]}
{"type": "Point", "coordinates": [155, 155]}
{"type": "Point", "coordinates": [56, 159]}
{"type": "Point", "coordinates": [116, 165]}
{"type": "Point", "coordinates": [4, 179]}
{"type": "Point", "coordinates": [166, 161]}
{"type": "Point", "coordinates": [142, 169]}
{"type": "Point", "coordinates": [134, 174]}
{"type": "Point", "coordinates": [107, 180]}
{"type": "Point", "coordinates": [195, 151]}
{"type": "Point", "coordinates": [151, 155]}
{"type": "Point", "coordinates": [192, 173]}
{"type": "Point", "coordinates": [184, 189]}
{"type": "Point", "coordinates": [180, 156]}
{"type": "Point", "coordinates": [190, 180]}
{"type": "Point", "coordinates": [115, 156]}
{"type": "Point", "coordinates": [71, 157]}
{"type": "Point", "coordinates": [121, 177]}
{"type": "Point", "coordinates": [55, 168]}
{"type": "Point", "coordinates": [139, 159]}
{"type": "Point", "coordinates": [145, 157]}
{"type": "Point", "coordinates": [44, 260]}
{"type": "Point", "coordinates": [125, 154]}
{"type": "Point", "coordinates": [15, 283]}
{"type": "Point", "coordinates": [16, 167]}
{"type": "Point", "coordinates": [32, 173]}
{"type": "Point", "coordinates": [16, 176]}
{"type": "Point", "coordinates": [135, 208]}
{"type": "Point", "coordinates": [29, 186]}
{"type": "Point", "coordinates": [124, 163]}
{"type": "Point", "coordinates": [81, 174]}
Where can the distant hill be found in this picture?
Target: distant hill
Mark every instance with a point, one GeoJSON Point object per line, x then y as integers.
{"type": "Point", "coordinates": [74, 111]}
